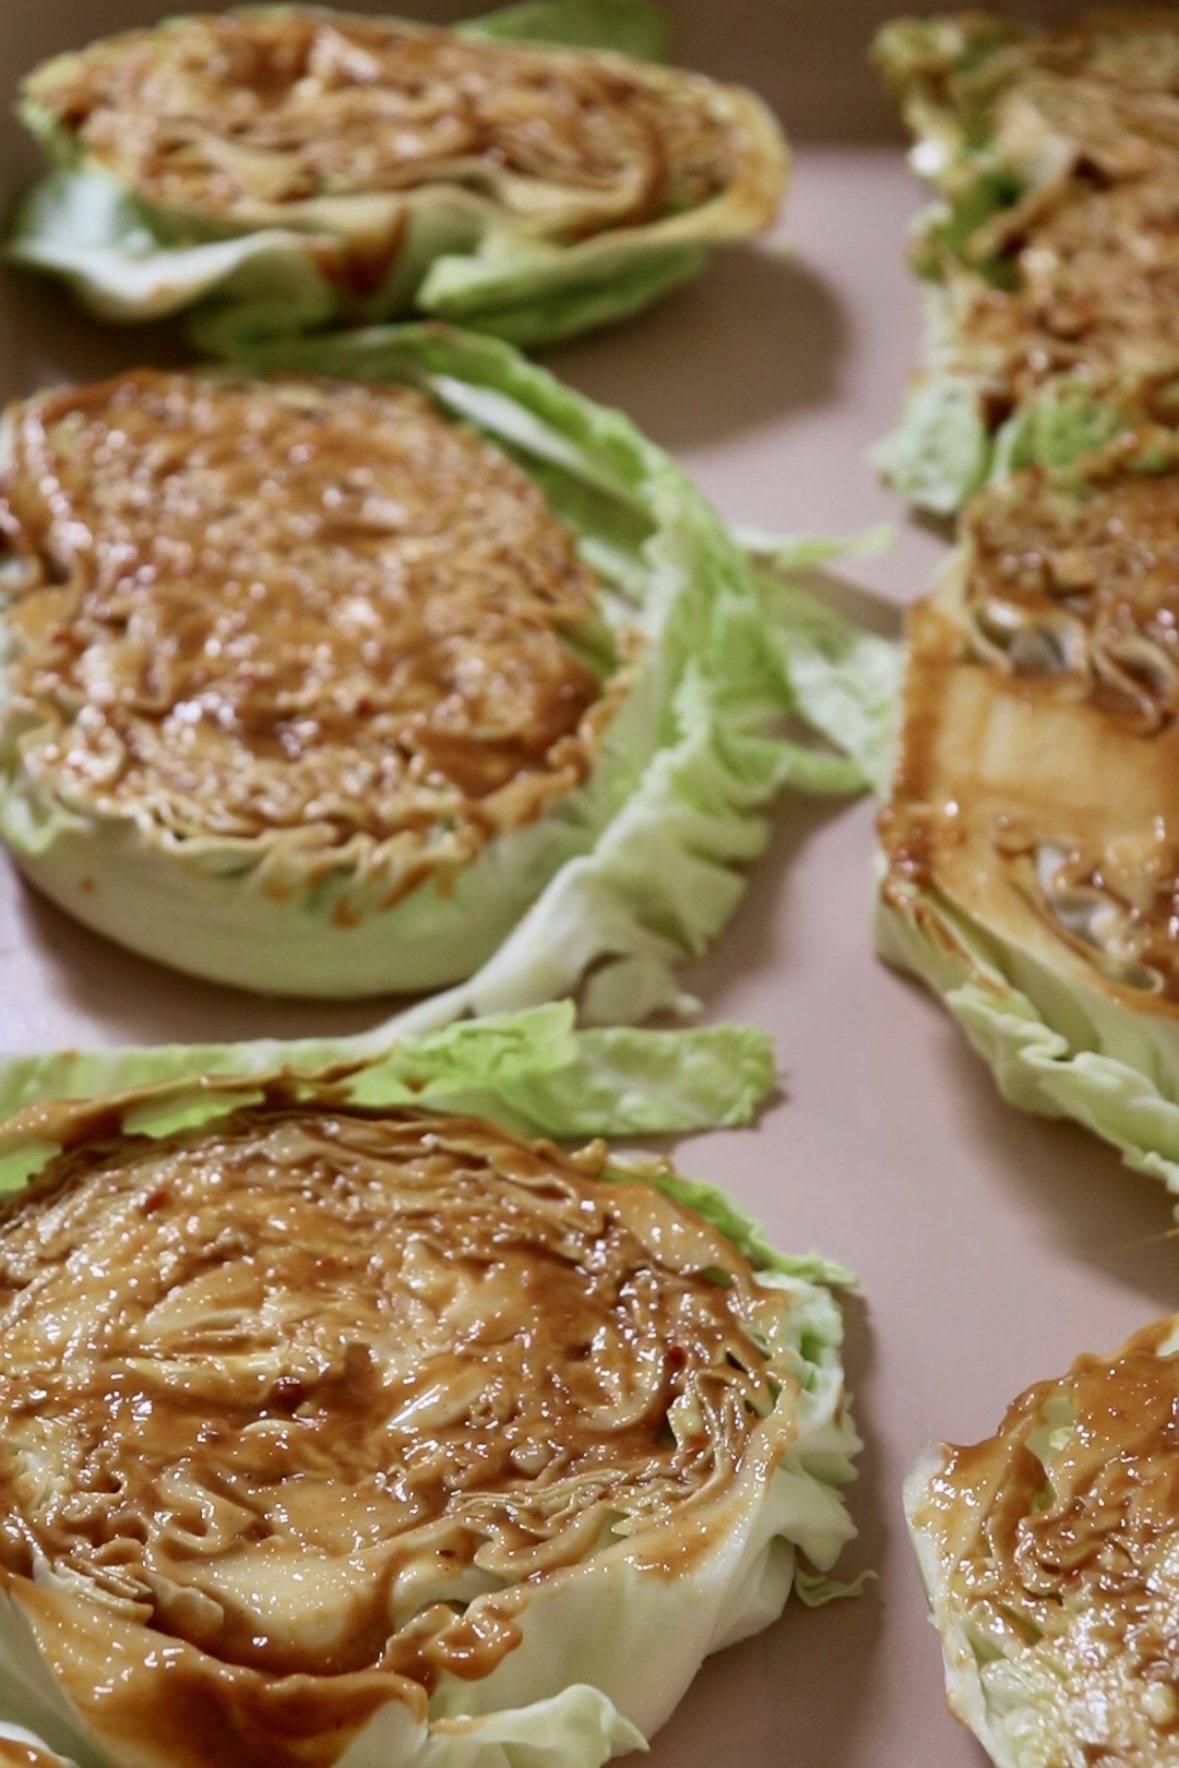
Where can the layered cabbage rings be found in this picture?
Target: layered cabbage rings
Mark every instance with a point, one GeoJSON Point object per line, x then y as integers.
{"type": "Point", "coordinates": [1049, 1554]}
{"type": "Point", "coordinates": [312, 680]}
{"type": "Point", "coordinates": [1030, 861]}
{"type": "Point", "coordinates": [297, 168]}
{"type": "Point", "coordinates": [1052, 252]}
{"type": "Point", "coordinates": [342, 1434]}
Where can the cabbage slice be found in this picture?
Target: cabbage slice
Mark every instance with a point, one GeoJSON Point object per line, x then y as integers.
{"type": "Point", "coordinates": [1028, 862]}
{"type": "Point", "coordinates": [1049, 1652]}
{"type": "Point", "coordinates": [622, 878]}
{"type": "Point", "coordinates": [572, 1678]}
{"type": "Point", "coordinates": [467, 239]}
{"type": "Point", "coordinates": [1051, 255]}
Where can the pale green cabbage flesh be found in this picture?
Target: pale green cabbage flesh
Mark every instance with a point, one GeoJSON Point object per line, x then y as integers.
{"type": "Point", "coordinates": [533, 1072]}
{"type": "Point", "coordinates": [1054, 1048]}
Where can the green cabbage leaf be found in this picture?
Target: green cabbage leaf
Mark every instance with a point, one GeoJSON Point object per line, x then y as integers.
{"type": "Point", "coordinates": [945, 447]}
{"type": "Point", "coordinates": [533, 1072]}
{"type": "Point", "coordinates": [628, 27]}
{"type": "Point", "coordinates": [1055, 1048]}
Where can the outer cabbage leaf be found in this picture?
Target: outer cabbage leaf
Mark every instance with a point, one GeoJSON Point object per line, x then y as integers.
{"type": "Point", "coordinates": [533, 1072]}
{"type": "Point", "coordinates": [837, 652]}
{"type": "Point", "coordinates": [458, 258]}
{"type": "Point", "coordinates": [1054, 1048]}
{"type": "Point", "coordinates": [941, 451]}
{"type": "Point", "coordinates": [85, 228]}
{"type": "Point", "coordinates": [946, 447]}
{"type": "Point", "coordinates": [638, 868]}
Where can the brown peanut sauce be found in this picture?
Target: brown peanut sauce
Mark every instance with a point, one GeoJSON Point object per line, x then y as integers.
{"type": "Point", "coordinates": [300, 1409]}
{"type": "Point", "coordinates": [1087, 574]}
{"type": "Point", "coordinates": [1078, 1560]}
{"type": "Point", "coordinates": [16, 1753]}
{"type": "Point", "coordinates": [1085, 304]}
{"type": "Point", "coordinates": [228, 116]}
{"type": "Point", "coordinates": [1035, 779]}
{"type": "Point", "coordinates": [256, 606]}
{"type": "Point", "coordinates": [1086, 259]}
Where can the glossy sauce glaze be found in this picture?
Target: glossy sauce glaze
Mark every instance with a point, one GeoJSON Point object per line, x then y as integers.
{"type": "Point", "coordinates": [240, 607]}
{"type": "Point", "coordinates": [1038, 761]}
{"type": "Point", "coordinates": [302, 1409]}
{"type": "Point", "coordinates": [1084, 304]}
{"type": "Point", "coordinates": [1081, 256]}
{"type": "Point", "coordinates": [1078, 578]}
{"type": "Point", "coordinates": [19, 1753]}
{"type": "Point", "coordinates": [1056, 1547]}
{"type": "Point", "coordinates": [227, 117]}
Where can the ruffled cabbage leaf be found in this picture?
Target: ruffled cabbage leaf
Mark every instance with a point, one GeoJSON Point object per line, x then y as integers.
{"type": "Point", "coordinates": [532, 1071]}
{"type": "Point", "coordinates": [1055, 1049]}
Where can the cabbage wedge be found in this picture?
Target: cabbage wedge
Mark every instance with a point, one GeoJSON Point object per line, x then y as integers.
{"type": "Point", "coordinates": [320, 672]}
{"type": "Point", "coordinates": [414, 1434]}
{"type": "Point", "coordinates": [1029, 867]}
{"type": "Point", "coordinates": [1049, 1555]}
{"type": "Point", "coordinates": [1051, 255]}
{"type": "Point", "coordinates": [284, 169]}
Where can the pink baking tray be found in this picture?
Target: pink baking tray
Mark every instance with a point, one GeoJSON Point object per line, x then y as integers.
{"type": "Point", "coordinates": [991, 1247]}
